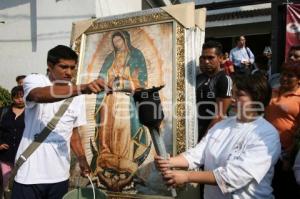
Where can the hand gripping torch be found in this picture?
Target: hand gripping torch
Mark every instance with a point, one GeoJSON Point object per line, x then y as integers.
{"type": "Point", "coordinates": [151, 115]}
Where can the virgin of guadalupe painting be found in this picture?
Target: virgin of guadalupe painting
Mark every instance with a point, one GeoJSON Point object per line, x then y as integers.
{"type": "Point", "coordinates": [118, 146]}
{"type": "Point", "coordinates": [122, 140]}
{"type": "Point", "coordinates": [131, 54]}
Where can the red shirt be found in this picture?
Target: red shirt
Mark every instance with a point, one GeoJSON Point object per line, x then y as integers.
{"type": "Point", "coordinates": [228, 67]}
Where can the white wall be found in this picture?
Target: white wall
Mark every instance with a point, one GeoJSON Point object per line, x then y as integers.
{"type": "Point", "coordinates": [25, 37]}
{"type": "Point", "coordinates": [114, 7]}
{"type": "Point", "coordinates": [32, 27]}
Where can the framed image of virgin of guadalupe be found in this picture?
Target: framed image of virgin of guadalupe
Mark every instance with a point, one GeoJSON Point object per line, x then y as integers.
{"type": "Point", "coordinates": [133, 52]}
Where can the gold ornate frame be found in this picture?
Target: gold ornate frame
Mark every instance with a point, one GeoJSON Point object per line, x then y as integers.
{"type": "Point", "coordinates": [160, 17]}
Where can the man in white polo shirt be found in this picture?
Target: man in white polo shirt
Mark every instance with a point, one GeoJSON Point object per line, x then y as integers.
{"type": "Point", "coordinates": [44, 175]}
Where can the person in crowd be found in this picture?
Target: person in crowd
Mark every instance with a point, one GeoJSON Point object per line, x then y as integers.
{"type": "Point", "coordinates": [11, 131]}
{"type": "Point", "coordinates": [238, 153]}
{"type": "Point", "coordinates": [20, 79]}
{"type": "Point", "coordinates": [284, 113]}
{"type": "Point", "coordinates": [227, 65]}
{"type": "Point", "coordinates": [294, 55]}
{"type": "Point", "coordinates": [297, 169]}
{"type": "Point", "coordinates": [213, 89]}
{"type": "Point", "coordinates": [262, 66]}
{"type": "Point", "coordinates": [268, 53]}
{"type": "Point", "coordinates": [44, 175]}
{"type": "Point", "coordinates": [241, 56]}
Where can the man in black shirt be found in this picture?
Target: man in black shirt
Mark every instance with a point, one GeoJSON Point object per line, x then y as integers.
{"type": "Point", "coordinates": [213, 89]}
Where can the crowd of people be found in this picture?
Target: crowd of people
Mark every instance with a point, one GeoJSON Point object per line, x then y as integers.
{"type": "Point", "coordinates": [254, 153]}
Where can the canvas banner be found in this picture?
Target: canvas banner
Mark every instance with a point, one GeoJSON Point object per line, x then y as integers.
{"type": "Point", "coordinates": [292, 27]}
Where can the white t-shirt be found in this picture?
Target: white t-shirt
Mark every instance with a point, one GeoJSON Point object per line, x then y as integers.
{"type": "Point", "coordinates": [50, 163]}
{"type": "Point", "coordinates": [242, 157]}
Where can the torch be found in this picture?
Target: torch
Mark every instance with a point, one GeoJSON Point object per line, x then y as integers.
{"type": "Point", "coordinates": [151, 115]}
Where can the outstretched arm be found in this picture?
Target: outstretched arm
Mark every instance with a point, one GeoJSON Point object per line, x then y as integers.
{"type": "Point", "coordinates": [78, 150]}
{"type": "Point", "coordinates": [59, 92]}
{"type": "Point", "coordinates": [176, 177]}
{"type": "Point", "coordinates": [175, 162]}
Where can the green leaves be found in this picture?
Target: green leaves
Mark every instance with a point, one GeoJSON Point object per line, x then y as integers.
{"type": "Point", "coordinates": [5, 98]}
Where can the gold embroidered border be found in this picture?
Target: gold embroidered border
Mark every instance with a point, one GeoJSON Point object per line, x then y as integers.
{"type": "Point", "coordinates": [77, 46]}
{"type": "Point", "coordinates": [180, 90]}
{"type": "Point", "coordinates": [131, 21]}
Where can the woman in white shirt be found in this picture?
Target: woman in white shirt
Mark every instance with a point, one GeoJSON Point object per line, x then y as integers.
{"type": "Point", "coordinates": [238, 153]}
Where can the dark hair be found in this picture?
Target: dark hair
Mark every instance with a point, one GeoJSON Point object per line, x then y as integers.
{"type": "Point", "coordinates": [262, 62]}
{"type": "Point", "coordinates": [295, 47]}
{"type": "Point", "coordinates": [237, 39]}
{"type": "Point", "coordinates": [291, 68]}
{"type": "Point", "coordinates": [256, 85]}
{"type": "Point", "coordinates": [19, 77]}
{"type": "Point", "coordinates": [117, 34]}
{"type": "Point", "coordinates": [61, 52]}
{"type": "Point", "coordinates": [213, 44]}
{"type": "Point", "coordinates": [17, 91]}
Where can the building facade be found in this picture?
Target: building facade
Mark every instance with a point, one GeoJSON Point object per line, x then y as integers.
{"type": "Point", "coordinates": [29, 28]}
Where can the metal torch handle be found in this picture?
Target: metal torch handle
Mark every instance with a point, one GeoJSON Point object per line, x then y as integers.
{"type": "Point", "coordinates": [160, 149]}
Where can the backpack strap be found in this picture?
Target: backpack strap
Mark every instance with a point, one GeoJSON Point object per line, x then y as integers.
{"type": "Point", "coordinates": [248, 53]}
{"type": "Point", "coordinates": [39, 138]}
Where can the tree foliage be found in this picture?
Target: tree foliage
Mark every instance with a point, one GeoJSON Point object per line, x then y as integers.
{"type": "Point", "coordinates": [4, 97]}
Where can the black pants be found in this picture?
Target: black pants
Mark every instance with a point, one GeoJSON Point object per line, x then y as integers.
{"type": "Point", "coordinates": [284, 183]}
{"type": "Point", "coordinates": [40, 191]}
